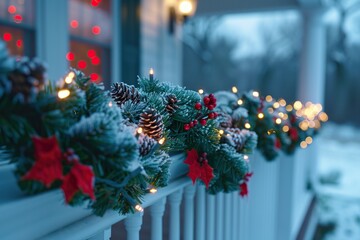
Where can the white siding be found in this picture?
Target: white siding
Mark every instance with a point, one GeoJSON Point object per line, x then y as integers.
{"type": "Point", "coordinates": [159, 49]}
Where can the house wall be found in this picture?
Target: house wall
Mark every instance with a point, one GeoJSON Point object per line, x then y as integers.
{"type": "Point", "coordinates": [160, 50]}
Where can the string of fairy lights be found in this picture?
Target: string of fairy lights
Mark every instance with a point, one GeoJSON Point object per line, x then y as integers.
{"type": "Point", "coordinates": [311, 113]}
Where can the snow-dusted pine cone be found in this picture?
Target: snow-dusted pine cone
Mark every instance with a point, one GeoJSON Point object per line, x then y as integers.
{"type": "Point", "coordinates": [171, 103]}
{"type": "Point", "coordinates": [236, 137]}
{"type": "Point", "coordinates": [28, 77]}
{"type": "Point", "coordinates": [152, 124]}
{"type": "Point", "coordinates": [146, 144]}
{"type": "Point", "coordinates": [121, 92]}
{"type": "Point", "coordinates": [225, 120]}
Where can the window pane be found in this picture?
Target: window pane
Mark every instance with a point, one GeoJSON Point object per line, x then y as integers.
{"type": "Point", "coordinates": [90, 59]}
{"type": "Point", "coordinates": [17, 26]}
{"type": "Point", "coordinates": [89, 26]}
{"type": "Point", "coordinates": [19, 12]}
{"type": "Point", "coordinates": [90, 19]}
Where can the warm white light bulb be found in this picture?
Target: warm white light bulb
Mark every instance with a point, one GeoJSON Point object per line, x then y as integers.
{"type": "Point", "coordinates": [139, 130]}
{"type": "Point", "coordinates": [64, 93]}
{"type": "Point", "coordinates": [185, 7]}
{"type": "Point", "coordinates": [161, 141]}
{"type": "Point", "coordinates": [153, 190]}
{"type": "Point", "coordinates": [69, 78]}
{"type": "Point", "coordinates": [234, 89]}
{"type": "Point", "coordinates": [139, 208]}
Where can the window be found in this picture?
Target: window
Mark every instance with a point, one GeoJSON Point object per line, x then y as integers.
{"type": "Point", "coordinates": [17, 21]}
{"type": "Point", "coordinates": [90, 38]}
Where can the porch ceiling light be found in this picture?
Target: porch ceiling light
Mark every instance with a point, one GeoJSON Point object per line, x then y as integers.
{"type": "Point", "coordinates": [186, 8]}
{"type": "Point", "coordinates": [180, 12]}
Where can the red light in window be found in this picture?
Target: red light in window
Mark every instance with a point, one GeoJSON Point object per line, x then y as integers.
{"type": "Point", "coordinates": [19, 43]}
{"type": "Point", "coordinates": [91, 53]}
{"type": "Point", "coordinates": [18, 18]}
{"type": "Point", "coordinates": [82, 64]}
{"type": "Point", "coordinates": [96, 30]}
{"type": "Point", "coordinates": [12, 9]}
{"type": "Point", "coordinates": [7, 37]}
{"type": "Point", "coordinates": [95, 60]}
{"type": "Point", "coordinates": [70, 56]}
{"type": "Point", "coordinates": [74, 23]}
{"type": "Point", "coordinates": [95, 3]}
{"type": "Point", "coordinates": [94, 77]}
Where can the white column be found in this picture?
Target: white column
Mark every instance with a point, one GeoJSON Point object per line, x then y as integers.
{"type": "Point", "coordinates": [210, 223]}
{"type": "Point", "coordinates": [285, 199]}
{"type": "Point", "coordinates": [174, 201]}
{"type": "Point", "coordinates": [157, 212]}
{"type": "Point", "coordinates": [103, 235]}
{"type": "Point", "coordinates": [133, 225]}
{"type": "Point", "coordinates": [235, 215]}
{"type": "Point", "coordinates": [52, 47]}
{"type": "Point", "coordinates": [219, 228]}
{"type": "Point", "coordinates": [189, 194]}
{"type": "Point", "coordinates": [200, 213]}
{"type": "Point", "coordinates": [311, 84]}
{"type": "Point", "coordinates": [228, 217]}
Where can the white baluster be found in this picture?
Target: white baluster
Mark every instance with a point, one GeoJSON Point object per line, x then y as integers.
{"type": "Point", "coordinates": [174, 201]}
{"type": "Point", "coordinates": [103, 235]}
{"type": "Point", "coordinates": [228, 218]}
{"type": "Point", "coordinates": [219, 216]}
{"type": "Point", "coordinates": [157, 212]}
{"type": "Point", "coordinates": [200, 213]}
{"type": "Point", "coordinates": [133, 225]}
{"type": "Point", "coordinates": [210, 224]}
{"type": "Point", "coordinates": [235, 215]}
{"type": "Point", "coordinates": [189, 194]}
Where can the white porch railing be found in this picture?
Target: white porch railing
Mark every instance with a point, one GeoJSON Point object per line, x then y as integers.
{"type": "Point", "coordinates": [268, 213]}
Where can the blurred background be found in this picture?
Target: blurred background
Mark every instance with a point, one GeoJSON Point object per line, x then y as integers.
{"type": "Point", "coordinates": [256, 44]}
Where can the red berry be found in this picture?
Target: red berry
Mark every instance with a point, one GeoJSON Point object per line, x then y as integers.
{"type": "Point", "coordinates": [195, 122]}
{"type": "Point", "coordinates": [213, 100]}
{"type": "Point", "coordinates": [212, 96]}
{"type": "Point", "coordinates": [206, 100]}
{"type": "Point", "coordinates": [198, 106]}
{"type": "Point", "coordinates": [211, 107]}
{"type": "Point", "coordinates": [215, 115]}
{"type": "Point", "coordinates": [191, 124]}
{"type": "Point", "coordinates": [203, 122]}
{"type": "Point", "coordinates": [211, 115]}
{"type": "Point", "coordinates": [186, 127]}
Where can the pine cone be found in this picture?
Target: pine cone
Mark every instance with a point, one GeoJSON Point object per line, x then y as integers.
{"type": "Point", "coordinates": [236, 138]}
{"type": "Point", "coordinates": [121, 92]}
{"type": "Point", "coordinates": [225, 120]}
{"type": "Point", "coordinates": [171, 103]}
{"type": "Point", "coordinates": [28, 77]}
{"type": "Point", "coordinates": [152, 124]}
{"type": "Point", "coordinates": [146, 144]}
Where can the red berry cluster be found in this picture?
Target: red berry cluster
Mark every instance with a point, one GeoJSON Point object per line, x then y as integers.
{"type": "Point", "coordinates": [70, 155]}
{"type": "Point", "coordinates": [202, 159]}
{"type": "Point", "coordinates": [210, 104]}
{"type": "Point", "coordinates": [190, 125]}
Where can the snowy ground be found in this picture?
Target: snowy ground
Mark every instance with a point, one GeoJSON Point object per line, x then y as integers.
{"type": "Point", "coordinates": [339, 174]}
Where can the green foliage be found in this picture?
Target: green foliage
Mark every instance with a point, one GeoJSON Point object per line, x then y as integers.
{"type": "Point", "coordinates": [229, 169]}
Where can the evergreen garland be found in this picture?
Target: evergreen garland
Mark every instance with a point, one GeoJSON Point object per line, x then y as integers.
{"type": "Point", "coordinates": [279, 127]}
{"type": "Point", "coordinates": [190, 124]}
{"type": "Point", "coordinates": [94, 140]}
